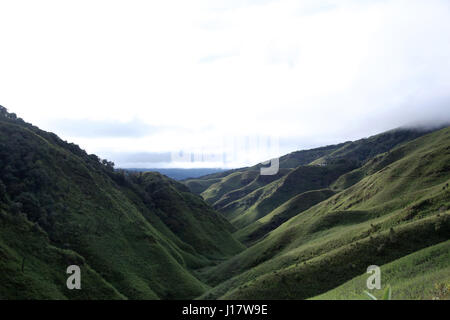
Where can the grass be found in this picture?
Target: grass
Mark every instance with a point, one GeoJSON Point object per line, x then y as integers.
{"type": "Point", "coordinates": [258, 229]}
{"type": "Point", "coordinates": [319, 272]}
{"type": "Point", "coordinates": [259, 182]}
{"type": "Point", "coordinates": [347, 228]}
{"type": "Point", "coordinates": [233, 181]}
{"type": "Point", "coordinates": [422, 275]}
{"type": "Point", "coordinates": [268, 198]}
{"type": "Point", "coordinates": [359, 151]}
{"type": "Point", "coordinates": [137, 236]}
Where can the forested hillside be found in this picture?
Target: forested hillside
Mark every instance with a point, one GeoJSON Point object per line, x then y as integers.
{"type": "Point", "coordinates": [136, 236]}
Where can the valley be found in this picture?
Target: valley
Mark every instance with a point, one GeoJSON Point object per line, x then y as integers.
{"type": "Point", "coordinates": [308, 232]}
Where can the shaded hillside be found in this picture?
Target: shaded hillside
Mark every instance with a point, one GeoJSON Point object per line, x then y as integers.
{"type": "Point", "coordinates": [134, 236]}
{"type": "Point", "coordinates": [396, 209]}
{"type": "Point", "coordinates": [188, 216]}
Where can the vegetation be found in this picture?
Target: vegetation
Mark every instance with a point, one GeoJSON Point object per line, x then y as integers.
{"type": "Point", "coordinates": [400, 208]}
{"type": "Point", "coordinates": [424, 274]}
{"type": "Point", "coordinates": [137, 236]}
{"type": "Point", "coordinates": [311, 230]}
{"type": "Point", "coordinates": [281, 214]}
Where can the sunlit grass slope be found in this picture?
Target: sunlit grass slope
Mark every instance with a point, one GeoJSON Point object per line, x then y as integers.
{"type": "Point", "coordinates": [244, 196]}
{"type": "Point", "coordinates": [258, 229]}
{"type": "Point", "coordinates": [394, 210]}
{"type": "Point", "coordinates": [424, 274]}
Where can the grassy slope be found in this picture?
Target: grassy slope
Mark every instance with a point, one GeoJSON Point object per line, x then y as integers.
{"type": "Point", "coordinates": [345, 230]}
{"type": "Point", "coordinates": [262, 201]}
{"type": "Point", "coordinates": [424, 274]}
{"type": "Point", "coordinates": [289, 161]}
{"type": "Point", "coordinates": [190, 218]}
{"type": "Point", "coordinates": [197, 186]}
{"type": "Point", "coordinates": [259, 182]}
{"type": "Point", "coordinates": [233, 181]}
{"type": "Point", "coordinates": [244, 200]}
{"type": "Point", "coordinates": [123, 234]}
{"type": "Point", "coordinates": [364, 149]}
{"type": "Point", "coordinates": [26, 273]}
{"type": "Point", "coordinates": [281, 214]}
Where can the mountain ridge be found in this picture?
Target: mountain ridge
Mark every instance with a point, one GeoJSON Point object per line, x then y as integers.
{"type": "Point", "coordinates": [119, 227]}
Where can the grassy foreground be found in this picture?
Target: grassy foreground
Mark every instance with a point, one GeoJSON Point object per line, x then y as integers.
{"type": "Point", "coordinates": [422, 275]}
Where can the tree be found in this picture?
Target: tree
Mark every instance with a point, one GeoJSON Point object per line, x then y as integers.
{"type": "Point", "coordinates": [94, 158]}
{"type": "Point", "coordinates": [2, 190]}
{"type": "Point", "coordinates": [3, 111]}
{"type": "Point", "coordinates": [108, 164]}
{"type": "Point", "coordinates": [30, 205]}
{"type": "Point", "coordinates": [16, 208]}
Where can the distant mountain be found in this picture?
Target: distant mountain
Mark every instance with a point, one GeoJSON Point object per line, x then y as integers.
{"type": "Point", "coordinates": [180, 173]}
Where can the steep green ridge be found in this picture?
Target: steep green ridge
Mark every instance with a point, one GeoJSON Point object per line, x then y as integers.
{"type": "Point", "coordinates": [290, 161]}
{"type": "Point", "coordinates": [258, 182]}
{"type": "Point", "coordinates": [262, 201]}
{"type": "Point", "coordinates": [326, 271]}
{"type": "Point", "coordinates": [134, 236]}
{"type": "Point", "coordinates": [27, 274]}
{"type": "Point", "coordinates": [244, 196]}
{"type": "Point", "coordinates": [364, 149]}
{"type": "Point", "coordinates": [187, 216]}
{"type": "Point", "coordinates": [200, 184]}
{"type": "Point", "coordinates": [197, 186]}
{"type": "Point", "coordinates": [424, 274]}
{"type": "Point", "coordinates": [287, 210]}
{"type": "Point", "coordinates": [396, 210]}
{"type": "Point", "coordinates": [233, 181]}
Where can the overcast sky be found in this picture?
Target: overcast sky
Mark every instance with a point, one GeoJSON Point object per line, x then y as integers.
{"type": "Point", "coordinates": [135, 81]}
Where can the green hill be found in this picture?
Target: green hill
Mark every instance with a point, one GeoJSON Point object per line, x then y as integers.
{"type": "Point", "coordinates": [244, 196]}
{"type": "Point", "coordinates": [232, 181]}
{"type": "Point", "coordinates": [398, 209]}
{"type": "Point", "coordinates": [262, 201]}
{"type": "Point", "coordinates": [258, 182]}
{"type": "Point", "coordinates": [287, 210]}
{"type": "Point", "coordinates": [424, 274]}
{"type": "Point", "coordinates": [137, 236]}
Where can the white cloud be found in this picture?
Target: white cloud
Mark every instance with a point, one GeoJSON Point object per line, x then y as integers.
{"type": "Point", "coordinates": [210, 69]}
